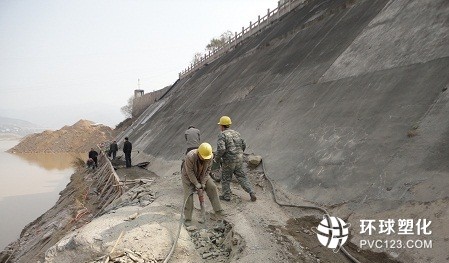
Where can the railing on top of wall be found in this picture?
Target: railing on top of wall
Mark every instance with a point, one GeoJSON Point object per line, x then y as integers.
{"type": "Point", "coordinates": [282, 9]}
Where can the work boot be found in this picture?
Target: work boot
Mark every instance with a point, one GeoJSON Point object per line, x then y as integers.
{"type": "Point", "coordinates": [224, 198]}
{"type": "Point", "coordinates": [221, 213]}
{"type": "Point", "coordinates": [188, 222]}
{"type": "Point", "coordinates": [218, 215]}
{"type": "Point", "coordinates": [253, 197]}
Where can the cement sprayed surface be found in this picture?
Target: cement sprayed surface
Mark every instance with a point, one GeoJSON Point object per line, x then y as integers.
{"type": "Point", "coordinates": [345, 100]}
{"type": "Point", "coordinates": [332, 140]}
{"type": "Point", "coordinates": [399, 22]}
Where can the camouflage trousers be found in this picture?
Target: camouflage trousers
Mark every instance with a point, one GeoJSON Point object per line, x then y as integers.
{"type": "Point", "coordinates": [230, 168]}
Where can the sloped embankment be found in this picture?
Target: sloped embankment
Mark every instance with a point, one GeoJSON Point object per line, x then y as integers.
{"type": "Point", "coordinates": [346, 101]}
{"type": "Point", "coordinates": [83, 198]}
{"type": "Point", "coordinates": [78, 138]}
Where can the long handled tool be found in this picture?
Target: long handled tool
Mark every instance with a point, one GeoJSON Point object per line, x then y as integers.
{"type": "Point", "coordinates": [203, 209]}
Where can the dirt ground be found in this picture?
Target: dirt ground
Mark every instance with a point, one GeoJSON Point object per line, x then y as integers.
{"type": "Point", "coordinates": [261, 231]}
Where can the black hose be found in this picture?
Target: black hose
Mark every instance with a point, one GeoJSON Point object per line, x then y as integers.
{"type": "Point", "coordinates": [167, 258]}
{"type": "Point", "coordinates": [273, 191]}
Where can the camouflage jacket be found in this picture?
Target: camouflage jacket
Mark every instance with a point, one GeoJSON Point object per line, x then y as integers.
{"type": "Point", "coordinates": [230, 146]}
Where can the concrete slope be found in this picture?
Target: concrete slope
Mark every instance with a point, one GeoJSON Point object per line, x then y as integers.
{"type": "Point", "coordinates": [328, 96]}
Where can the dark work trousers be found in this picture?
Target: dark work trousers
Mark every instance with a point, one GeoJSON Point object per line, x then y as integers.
{"type": "Point", "coordinates": [113, 153]}
{"type": "Point", "coordinates": [128, 159]}
{"type": "Point", "coordinates": [95, 161]}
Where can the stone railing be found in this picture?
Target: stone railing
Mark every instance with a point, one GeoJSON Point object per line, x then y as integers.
{"type": "Point", "coordinates": [283, 8]}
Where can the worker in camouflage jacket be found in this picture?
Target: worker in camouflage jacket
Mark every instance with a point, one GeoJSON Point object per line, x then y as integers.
{"type": "Point", "coordinates": [230, 148]}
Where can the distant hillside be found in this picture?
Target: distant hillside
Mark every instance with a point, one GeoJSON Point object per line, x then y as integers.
{"type": "Point", "coordinates": [79, 138]}
{"type": "Point", "coordinates": [17, 127]}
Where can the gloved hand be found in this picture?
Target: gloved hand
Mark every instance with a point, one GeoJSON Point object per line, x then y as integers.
{"type": "Point", "coordinates": [198, 186]}
{"type": "Point", "coordinates": [203, 186]}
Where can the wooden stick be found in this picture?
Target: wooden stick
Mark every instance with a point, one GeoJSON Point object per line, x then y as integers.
{"type": "Point", "coordinates": [116, 242]}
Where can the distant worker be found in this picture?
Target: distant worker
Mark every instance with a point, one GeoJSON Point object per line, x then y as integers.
{"type": "Point", "coordinates": [127, 148]}
{"type": "Point", "coordinates": [90, 163]}
{"type": "Point", "coordinates": [195, 175]}
{"type": "Point", "coordinates": [113, 148]}
{"type": "Point", "coordinates": [230, 148]}
{"type": "Point", "coordinates": [192, 136]}
{"type": "Point", "coordinates": [93, 155]}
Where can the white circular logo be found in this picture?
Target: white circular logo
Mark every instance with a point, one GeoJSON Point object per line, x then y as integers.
{"type": "Point", "coordinates": [332, 232]}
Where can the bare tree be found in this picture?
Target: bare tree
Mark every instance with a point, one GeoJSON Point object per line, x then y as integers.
{"type": "Point", "coordinates": [215, 43]}
{"type": "Point", "coordinates": [127, 110]}
{"type": "Point", "coordinates": [197, 57]}
{"type": "Point", "coordinates": [218, 42]}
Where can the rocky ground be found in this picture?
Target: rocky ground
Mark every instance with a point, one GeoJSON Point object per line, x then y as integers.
{"type": "Point", "coordinates": [142, 224]}
{"type": "Point", "coordinates": [78, 138]}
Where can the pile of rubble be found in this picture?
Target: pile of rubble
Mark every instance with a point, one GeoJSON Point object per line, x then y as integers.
{"type": "Point", "coordinates": [78, 138]}
{"type": "Point", "coordinates": [127, 256]}
{"type": "Point", "coordinates": [216, 244]}
{"type": "Point", "coordinates": [140, 195]}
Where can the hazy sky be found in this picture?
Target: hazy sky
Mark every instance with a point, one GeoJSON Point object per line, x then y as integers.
{"type": "Point", "coordinates": [65, 60]}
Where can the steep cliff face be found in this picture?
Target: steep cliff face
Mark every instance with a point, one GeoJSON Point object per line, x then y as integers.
{"type": "Point", "coordinates": [345, 100]}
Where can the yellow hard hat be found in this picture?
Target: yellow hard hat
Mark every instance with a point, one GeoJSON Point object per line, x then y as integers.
{"type": "Point", "coordinates": [225, 120]}
{"type": "Point", "coordinates": [205, 151]}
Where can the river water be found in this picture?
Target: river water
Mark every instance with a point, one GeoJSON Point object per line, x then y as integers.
{"type": "Point", "coordinates": [29, 186]}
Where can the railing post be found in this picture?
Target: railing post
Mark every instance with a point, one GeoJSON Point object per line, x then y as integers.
{"type": "Point", "coordinates": [258, 23]}
{"type": "Point", "coordinates": [279, 9]}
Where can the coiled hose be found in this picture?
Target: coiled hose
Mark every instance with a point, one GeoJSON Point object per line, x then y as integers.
{"type": "Point", "coordinates": [273, 191]}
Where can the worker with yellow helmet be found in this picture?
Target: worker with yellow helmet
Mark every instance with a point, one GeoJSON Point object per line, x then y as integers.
{"type": "Point", "coordinates": [230, 148]}
{"type": "Point", "coordinates": [195, 175]}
